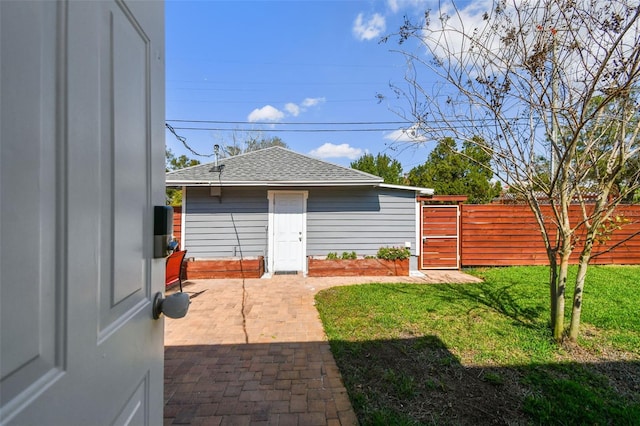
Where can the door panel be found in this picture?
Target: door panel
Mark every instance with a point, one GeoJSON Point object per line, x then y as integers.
{"type": "Point", "coordinates": [123, 59]}
{"type": "Point", "coordinates": [32, 349]}
{"type": "Point", "coordinates": [288, 209]}
{"type": "Point", "coordinates": [440, 240]}
{"type": "Point", "coordinates": [82, 98]}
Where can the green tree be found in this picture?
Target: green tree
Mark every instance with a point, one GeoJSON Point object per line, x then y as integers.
{"type": "Point", "coordinates": [381, 165]}
{"type": "Point", "coordinates": [176, 163]}
{"type": "Point", "coordinates": [174, 195]}
{"type": "Point", "coordinates": [450, 172]}
{"type": "Point", "coordinates": [597, 165]}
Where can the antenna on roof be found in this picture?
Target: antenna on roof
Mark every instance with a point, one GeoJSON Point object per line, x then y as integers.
{"type": "Point", "coordinates": [216, 152]}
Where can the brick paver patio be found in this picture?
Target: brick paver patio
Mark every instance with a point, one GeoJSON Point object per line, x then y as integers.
{"type": "Point", "coordinates": [254, 352]}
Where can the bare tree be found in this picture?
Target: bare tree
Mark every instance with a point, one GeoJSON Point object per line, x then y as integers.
{"type": "Point", "coordinates": [551, 78]}
{"type": "Point", "coordinates": [240, 142]}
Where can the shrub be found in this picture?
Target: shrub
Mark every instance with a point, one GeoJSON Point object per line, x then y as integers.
{"type": "Point", "coordinates": [332, 255]}
{"type": "Point", "coordinates": [393, 253]}
{"type": "Point", "coordinates": [347, 255]}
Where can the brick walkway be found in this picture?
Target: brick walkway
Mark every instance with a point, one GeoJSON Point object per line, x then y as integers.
{"type": "Point", "coordinates": [254, 352]}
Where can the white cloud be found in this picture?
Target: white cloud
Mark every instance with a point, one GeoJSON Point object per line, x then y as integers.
{"type": "Point", "coordinates": [393, 5]}
{"type": "Point", "coordinates": [369, 29]}
{"type": "Point", "coordinates": [309, 102]}
{"type": "Point", "coordinates": [329, 150]}
{"type": "Point", "coordinates": [459, 22]}
{"type": "Point", "coordinates": [410, 134]}
{"type": "Point", "coordinates": [266, 113]}
{"type": "Point", "coordinates": [396, 5]}
{"type": "Point", "coordinates": [273, 114]}
{"type": "Point", "coordinates": [292, 109]}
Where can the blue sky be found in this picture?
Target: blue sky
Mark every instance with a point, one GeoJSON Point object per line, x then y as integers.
{"type": "Point", "coordinates": [252, 65]}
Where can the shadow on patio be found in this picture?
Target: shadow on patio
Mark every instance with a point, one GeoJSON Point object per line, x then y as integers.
{"type": "Point", "coordinates": [262, 383]}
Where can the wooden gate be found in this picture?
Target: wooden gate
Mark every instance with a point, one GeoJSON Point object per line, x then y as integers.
{"type": "Point", "coordinates": [440, 237]}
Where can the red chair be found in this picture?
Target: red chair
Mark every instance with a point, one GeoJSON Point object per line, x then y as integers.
{"type": "Point", "coordinates": [174, 269]}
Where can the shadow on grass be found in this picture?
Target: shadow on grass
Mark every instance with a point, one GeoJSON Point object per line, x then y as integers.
{"type": "Point", "coordinates": [419, 381]}
{"type": "Point", "coordinates": [502, 299]}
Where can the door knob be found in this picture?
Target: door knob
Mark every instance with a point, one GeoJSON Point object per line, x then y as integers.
{"type": "Point", "coordinates": [173, 306]}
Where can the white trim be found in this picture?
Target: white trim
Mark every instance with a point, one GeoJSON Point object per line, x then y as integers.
{"type": "Point", "coordinates": [421, 190]}
{"type": "Point", "coordinates": [183, 220]}
{"type": "Point", "coordinates": [275, 184]}
{"type": "Point", "coordinates": [458, 236]}
{"type": "Point", "coordinates": [324, 183]}
{"type": "Point", "coordinates": [270, 234]}
{"type": "Point", "coordinates": [269, 265]}
{"type": "Point", "coordinates": [418, 231]}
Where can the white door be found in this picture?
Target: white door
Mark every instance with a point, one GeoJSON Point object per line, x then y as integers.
{"type": "Point", "coordinates": [82, 139]}
{"type": "Point", "coordinates": [289, 218]}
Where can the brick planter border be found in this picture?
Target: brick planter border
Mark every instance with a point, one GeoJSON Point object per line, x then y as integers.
{"type": "Point", "coordinates": [357, 267]}
{"type": "Point", "coordinates": [225, 268]}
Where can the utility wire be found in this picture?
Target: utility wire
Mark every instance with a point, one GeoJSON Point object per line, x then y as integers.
{"type": "Point", "coordinates": [184, 142]}
{"type": "Point", "coordinates": [438, 127]}
{"type": "Point", "coordinates": [309, 123]}
{"type": "Point", "coordinates": [287, 130]}
{"type": "Point", "coordinates": [337, 123]}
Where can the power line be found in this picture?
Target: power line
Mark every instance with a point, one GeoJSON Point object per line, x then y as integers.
{"type": "Point", "coordinates": [288, 130]}
{"type": "Point", "coordinates": [184, 142]}
{"type": "Point", "coordinates": [253, 102]}
{"type": "Point", "coordinates": [441, 126]}
{"type": "Point", "coordinates": [308, 123]}
{"type": "Point", "coordinates": [468, 121]}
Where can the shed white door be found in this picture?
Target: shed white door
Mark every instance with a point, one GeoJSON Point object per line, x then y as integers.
{"type": "Point", "coordinates": [289, 219]}
{"type": "Point", "coordinates": [82, 106]}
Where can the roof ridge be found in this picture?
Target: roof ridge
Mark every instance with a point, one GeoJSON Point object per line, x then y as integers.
{"type": "Point", "coordinates": [223, 159]}
{"type": "Point", "coordinates": [244, 154]}
{"type": "Point", "coordinates": [351, 169]}
{"type": "Point", "coordinates": [275, 164]}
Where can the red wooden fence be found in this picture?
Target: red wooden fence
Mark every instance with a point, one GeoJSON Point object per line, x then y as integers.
{"type": "Point", "coordinates": [501, 235]}
{"type": "Point", "coordinates": [177, 224]}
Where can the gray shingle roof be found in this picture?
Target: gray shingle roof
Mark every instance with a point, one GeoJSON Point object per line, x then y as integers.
{"type": "Point", "coordinates": [275, 166]}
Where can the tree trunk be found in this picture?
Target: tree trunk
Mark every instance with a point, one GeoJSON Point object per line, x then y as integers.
{"type": "Point", "coordinates": [563, 272]}
{"type": "Point", "coordinates": [553, 284]}
{"type": "Point", "coordinates": [564, 253]}
{"type": "Point", "coordinates": [576, 311]}
{"type": "Point", "coordinates": [583, 264]}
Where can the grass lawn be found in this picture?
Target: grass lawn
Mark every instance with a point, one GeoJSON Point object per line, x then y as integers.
{"type": "Point", "coordinates": [483, 353]}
